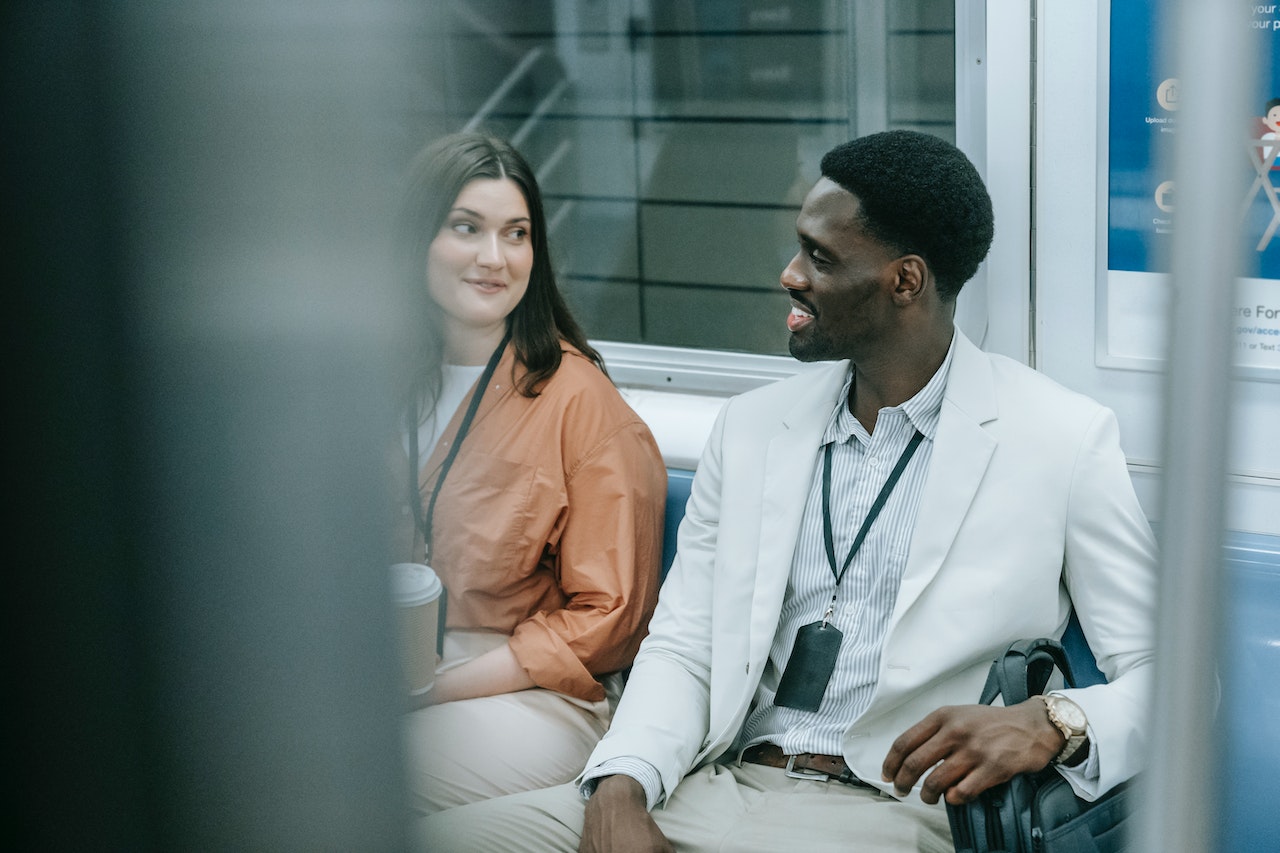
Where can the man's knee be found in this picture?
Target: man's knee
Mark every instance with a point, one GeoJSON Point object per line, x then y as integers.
{"type": "Point", "coordinates": [549, 821]}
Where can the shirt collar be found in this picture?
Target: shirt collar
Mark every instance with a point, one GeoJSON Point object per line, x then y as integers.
{"type": "Point", "coordinates": [923, 410]}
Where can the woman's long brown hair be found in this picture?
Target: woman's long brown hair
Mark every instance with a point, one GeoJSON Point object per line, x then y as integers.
{"type": "Point", "coordinates": [539, 322]}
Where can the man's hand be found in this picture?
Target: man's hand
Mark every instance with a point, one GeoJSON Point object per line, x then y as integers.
{"type": "Point", "coordinates": [617, 819]}
{"type": "Point", "coordinates": [971, 748]}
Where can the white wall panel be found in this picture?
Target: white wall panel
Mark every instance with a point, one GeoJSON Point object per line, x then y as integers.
{"type": "Point", "coordinates": [1070, 99]}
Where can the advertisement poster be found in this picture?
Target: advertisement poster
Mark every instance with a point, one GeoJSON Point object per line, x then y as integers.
{"type": "Point", "coordinates": [1140, 197]}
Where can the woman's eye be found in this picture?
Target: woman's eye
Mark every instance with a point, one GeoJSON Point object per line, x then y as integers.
{"type": "Point", "coordinates": [463, 227]}
{"type": "Point", "coordinates": [517, 235]}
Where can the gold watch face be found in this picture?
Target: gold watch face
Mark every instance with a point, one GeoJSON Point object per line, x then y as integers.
{"type": "Point", "coordinates": [1068, 712]}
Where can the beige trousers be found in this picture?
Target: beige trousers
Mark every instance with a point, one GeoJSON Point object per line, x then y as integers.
{"type": "Point", "coordinates": [474, 749]}
{"type": "Point", "coordinates": [723, 808]}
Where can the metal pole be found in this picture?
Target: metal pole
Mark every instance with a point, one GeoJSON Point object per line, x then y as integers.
{"type": "Point", "coordinates": [1213, 56]}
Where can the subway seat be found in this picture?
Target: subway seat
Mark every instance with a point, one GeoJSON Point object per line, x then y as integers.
{"type": "Point", "coordinates": [1249, 717]}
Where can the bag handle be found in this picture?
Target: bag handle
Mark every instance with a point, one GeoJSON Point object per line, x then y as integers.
{"type": "Point", "coordinates": [1022, 670]}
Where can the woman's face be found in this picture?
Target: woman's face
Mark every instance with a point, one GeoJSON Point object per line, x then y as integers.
{"type": "Point", "coordinates": [478, 265]}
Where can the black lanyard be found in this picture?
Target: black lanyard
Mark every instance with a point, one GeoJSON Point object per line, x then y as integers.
{"type": "Point", "coordinates": [415, 496]}
{"type": "Point", "coordinates": [817, 645]}
{"type": "Point", "coordinates": [881, 500]}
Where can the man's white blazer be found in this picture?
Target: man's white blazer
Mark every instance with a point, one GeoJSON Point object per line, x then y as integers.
{"type": "Point", "coordinates": [1027, 509]}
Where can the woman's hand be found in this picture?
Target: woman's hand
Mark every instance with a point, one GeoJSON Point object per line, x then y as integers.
{"type": "Point", "coordinates": [493, 673]}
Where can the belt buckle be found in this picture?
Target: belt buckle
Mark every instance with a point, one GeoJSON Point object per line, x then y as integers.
{"type": "Point", "coordinates": [807, 775]}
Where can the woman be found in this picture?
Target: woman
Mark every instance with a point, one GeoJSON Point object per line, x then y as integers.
{"type": "Point", "coordinates": [540, 492]}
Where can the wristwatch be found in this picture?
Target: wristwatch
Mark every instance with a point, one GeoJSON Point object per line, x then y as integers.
{"type": "Point", "coordinates": [1068, 718]}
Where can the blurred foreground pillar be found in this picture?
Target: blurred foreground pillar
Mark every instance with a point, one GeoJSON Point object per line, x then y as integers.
{"type": "Point", "coordinates": [198, 195]}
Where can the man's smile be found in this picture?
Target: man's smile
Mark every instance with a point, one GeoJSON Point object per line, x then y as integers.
{"type": "Point", "coordinates": [799, 317]}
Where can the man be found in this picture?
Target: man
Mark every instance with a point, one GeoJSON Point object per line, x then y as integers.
{"type": "Point", "coordinates": [859, 544]}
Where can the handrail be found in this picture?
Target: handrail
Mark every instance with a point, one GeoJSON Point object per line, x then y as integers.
{"type": "Point", "coordinates": [538, 112]}
{"type": "Point", "coordinates": [1179, 793]}
{"type": "Point", "coordinates": [513, 76]}
{"type": "Point", "coordinates": [552, 160]}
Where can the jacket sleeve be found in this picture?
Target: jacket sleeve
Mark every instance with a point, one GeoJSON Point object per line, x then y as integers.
{"type": "Point", "coordinates": [664, 715]}
{"type": "Point", "coordinates": [1109, 569]}
{"type": "Point", "coordinates": [607, 553]}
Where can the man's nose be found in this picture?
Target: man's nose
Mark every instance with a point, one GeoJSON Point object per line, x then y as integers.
{"type": "Point", "coordinates": [792, 278]}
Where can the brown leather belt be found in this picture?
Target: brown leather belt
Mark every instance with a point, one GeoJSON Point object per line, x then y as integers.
{"type": "Point", "coordinates": [803, 765]}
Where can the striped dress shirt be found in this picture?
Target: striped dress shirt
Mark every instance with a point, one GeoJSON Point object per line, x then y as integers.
{"type": "Point", "coordinates": [864, 601]}
{"type": "Point", "coordinates": [861, 463]}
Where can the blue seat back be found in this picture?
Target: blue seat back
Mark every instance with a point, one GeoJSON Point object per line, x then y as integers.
{"type": "Point", "coordinates": [679, 481]}
{"type": "Point", "coordinates": [1249, 716]}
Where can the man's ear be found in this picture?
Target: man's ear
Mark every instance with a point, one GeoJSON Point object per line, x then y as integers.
{"type": "Point", "coordinates": [912, 278]}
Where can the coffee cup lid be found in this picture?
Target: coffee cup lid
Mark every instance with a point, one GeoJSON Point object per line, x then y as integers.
{"type": "Point", "coordinates": [414, 583]}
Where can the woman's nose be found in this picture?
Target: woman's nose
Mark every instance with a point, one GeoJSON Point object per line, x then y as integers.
{"type": "Point", "coordinates": [490, 254]}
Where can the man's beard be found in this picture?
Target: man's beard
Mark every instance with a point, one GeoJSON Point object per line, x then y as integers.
{"type": "Point", "coordinates": [813, 347]}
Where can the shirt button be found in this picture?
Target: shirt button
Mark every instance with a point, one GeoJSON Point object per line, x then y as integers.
{"type": "Point", "coordinates": [873, 462]}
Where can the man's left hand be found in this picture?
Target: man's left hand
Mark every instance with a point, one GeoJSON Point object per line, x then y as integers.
{"type": "Point", "coordinates": [966, 749]}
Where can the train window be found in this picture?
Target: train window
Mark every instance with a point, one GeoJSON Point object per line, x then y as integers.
{"type": "Point", "coordinates": [675, 140]}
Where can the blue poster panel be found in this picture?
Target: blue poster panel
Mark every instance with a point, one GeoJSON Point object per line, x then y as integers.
{"type": "Point", "coordinates": [1142, 116]}
{"type": "Point", "coordinates": [1142, 119]}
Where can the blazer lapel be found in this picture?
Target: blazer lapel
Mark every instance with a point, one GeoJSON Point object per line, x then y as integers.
{"type": "Point", "coordinates": [789, 463]}
{"type": "Point", "coordinates": [962, 450]}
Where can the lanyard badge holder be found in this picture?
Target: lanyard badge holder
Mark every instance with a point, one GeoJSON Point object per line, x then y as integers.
{"type": "Point", "coordinates": [425, 525]}
{"type": "Point", "coordinates": [817, 646]}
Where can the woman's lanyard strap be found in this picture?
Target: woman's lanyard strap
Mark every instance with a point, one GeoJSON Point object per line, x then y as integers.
{"type": "Point", "coordinates": [415, 496]}
{"type": "Point", "coordinates": [881, 500]}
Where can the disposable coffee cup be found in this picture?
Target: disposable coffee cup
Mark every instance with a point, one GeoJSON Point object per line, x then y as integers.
{"type": "Point", "coordinates": [417, 589]}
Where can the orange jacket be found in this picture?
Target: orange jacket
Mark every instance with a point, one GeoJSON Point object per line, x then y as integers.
{"type": "Point", "coordinates": [549, 525]}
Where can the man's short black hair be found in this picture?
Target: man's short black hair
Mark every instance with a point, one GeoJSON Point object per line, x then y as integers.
{"type": "Point", "coordinates": [919, 195]}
